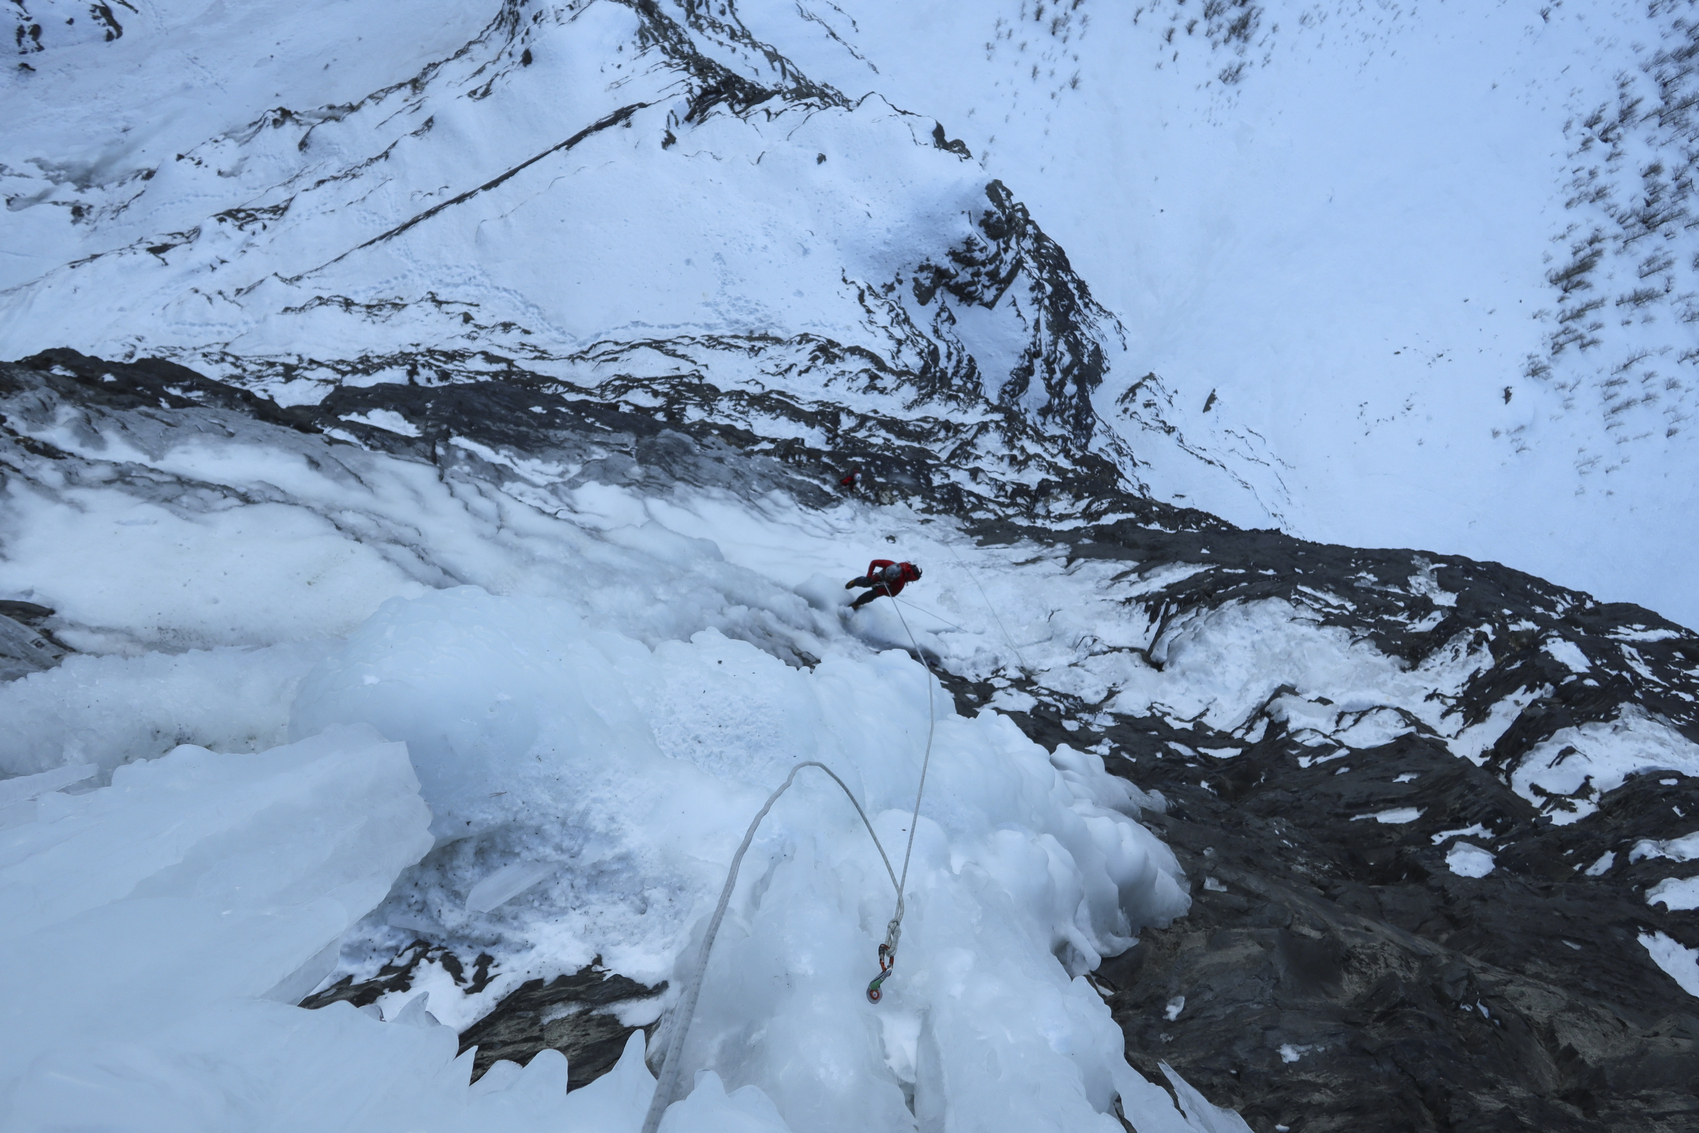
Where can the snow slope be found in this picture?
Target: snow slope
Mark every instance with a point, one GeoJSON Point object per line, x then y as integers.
{"type": "Point", "coordinates": [1397, 281]}
{"type": "Point", "coordinates": [1413, 274]}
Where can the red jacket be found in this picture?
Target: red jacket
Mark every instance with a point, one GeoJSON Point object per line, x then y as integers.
{"type": "Point", "coordinates": [892, 580]}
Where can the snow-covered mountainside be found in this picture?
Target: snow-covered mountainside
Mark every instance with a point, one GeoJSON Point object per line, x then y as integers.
{"type": "Point", "coordinates": [1414, 274]}
{"type": "Point", "coordinates": [434, 454]}
{"type": "Point", "coordinates": [1386, 274]}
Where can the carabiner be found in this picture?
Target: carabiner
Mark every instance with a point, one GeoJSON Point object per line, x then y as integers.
{"type": "Point", "coordinates": [887, 962]}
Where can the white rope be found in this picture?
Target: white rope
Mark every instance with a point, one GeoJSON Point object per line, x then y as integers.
{"type": "Point", "coordinates": [894, 930]}
{"type": "Point", "coordinates": [919, 609]}
{"type": "Point", "coordinates": [1025, 668]}
{"type": "Point", "coordinates": [666, 1085]}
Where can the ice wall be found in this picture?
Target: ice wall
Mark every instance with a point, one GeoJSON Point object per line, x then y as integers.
{"type": "Point", "coordinates": [639, 768]}
{"type": "Point", "coordinates": [169, 920]}
{"type": "Point", "coordinates": [195, 882]}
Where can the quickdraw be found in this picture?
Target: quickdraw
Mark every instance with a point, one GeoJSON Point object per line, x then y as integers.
{"type": "Point", "coordinates": [887, 961]}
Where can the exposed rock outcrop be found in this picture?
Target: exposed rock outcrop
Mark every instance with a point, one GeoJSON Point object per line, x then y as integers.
{"type": "Point", "coordinates": [1419, 886]}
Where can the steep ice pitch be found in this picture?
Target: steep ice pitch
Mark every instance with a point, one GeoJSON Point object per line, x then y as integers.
{"type": "Point", "coordinates": [237, 869]}
{"type": "Point", "coordinates": [516, 618]}
{"type": "Point", "coordinates": [590, 705]}
{"type": "Point", "coordinates": [569, 630]}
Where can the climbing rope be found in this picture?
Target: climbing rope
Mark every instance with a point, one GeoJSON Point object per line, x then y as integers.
{"type": "Point", "coordinates": [894, 930]}
{"type": "Point", "coordinates": [666, 1084]}
{"type": "Point", "coordinates": [1026, 670]}
{"type": "Point", "coordinates": [919, 609]}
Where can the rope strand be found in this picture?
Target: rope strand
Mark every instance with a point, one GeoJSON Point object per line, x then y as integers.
{"type": "Point", "coordinates": [925, 762]}
{"type": "Point", "coordinates": [919, 609]}
{"type": "Point", "coordinates": [1025, 668]}
{"type": "Point", "coordinates": [666, 1084]}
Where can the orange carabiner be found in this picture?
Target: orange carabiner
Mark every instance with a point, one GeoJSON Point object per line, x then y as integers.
{"type": "Point", "coordinates": [887, 961]}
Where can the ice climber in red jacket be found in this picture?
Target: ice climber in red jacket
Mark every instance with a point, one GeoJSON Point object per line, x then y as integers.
{"type": "Point", "coordinates": [884, 577]}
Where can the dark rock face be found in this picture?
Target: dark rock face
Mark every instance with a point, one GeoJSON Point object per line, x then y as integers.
{"type": "Point", "coordinates": [571, 1013]}
{"type": "Point", "coordinates": [574, 1013]}
{"type": "Point", "coordinates": [1013, 260]}
{"type": "Point", "coordinates": [399, 974]}
{"type": "Point", "coordinates": [27, 645]}
{"type": "Point", "coordinates": [1341, 964]}
{"type": "Point", "coordinates": [699, 433]}
{"type": "Point", "coordinates": [1335, 972]}
{"type": "Point", "coordinates": [1334, 969]}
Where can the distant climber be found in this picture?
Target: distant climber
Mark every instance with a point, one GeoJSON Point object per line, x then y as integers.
{"type": "Point", "coordinates": [883, 577]}
{"type": "Point", "coordinates": [850, 481]}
